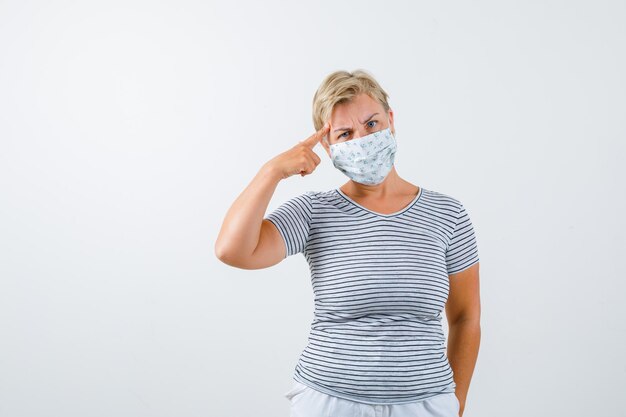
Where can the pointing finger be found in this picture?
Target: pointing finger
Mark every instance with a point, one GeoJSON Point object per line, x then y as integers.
{"type": "Point", "coordinates": [317, 136]}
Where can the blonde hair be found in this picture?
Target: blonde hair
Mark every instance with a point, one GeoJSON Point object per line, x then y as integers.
{"type": "Point", "coordinates": [340, 87]}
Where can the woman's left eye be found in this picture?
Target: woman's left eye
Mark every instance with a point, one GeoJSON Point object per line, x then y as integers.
{"type": "Point", "coordinates": [372, 121]}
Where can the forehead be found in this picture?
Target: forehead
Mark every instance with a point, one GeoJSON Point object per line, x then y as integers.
{"type": "Point", "coordinates": [360, 106]}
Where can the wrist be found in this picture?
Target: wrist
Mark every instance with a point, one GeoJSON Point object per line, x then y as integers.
{"type": "Point", "coordinates": [270, 171]}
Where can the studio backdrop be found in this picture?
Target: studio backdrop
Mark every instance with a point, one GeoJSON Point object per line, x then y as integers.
{"type": "Point", "coordinates": [127, 130]}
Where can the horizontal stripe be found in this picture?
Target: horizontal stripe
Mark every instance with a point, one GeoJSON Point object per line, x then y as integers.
{"type": "Point", "coordinates": [380, 283]}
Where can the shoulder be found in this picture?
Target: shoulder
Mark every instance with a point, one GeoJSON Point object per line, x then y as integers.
{"type": "Point", "coordinates": [321, 197]}
{"type": "Point", "coordinates": [326, 202]}
{"type": "Point", "coordinates": [306, 200]}
{"type": "Point", "coordinates": [441, 200]}
{"type": "Point", "coordinates": [311, 198]}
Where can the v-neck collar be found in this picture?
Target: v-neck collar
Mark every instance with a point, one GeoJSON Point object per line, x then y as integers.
{"type": "Point", "coordinates": [397, 213]}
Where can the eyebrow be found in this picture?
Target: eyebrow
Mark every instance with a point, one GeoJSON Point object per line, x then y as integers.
{"type": "Point", "coordinates": [347, 128]}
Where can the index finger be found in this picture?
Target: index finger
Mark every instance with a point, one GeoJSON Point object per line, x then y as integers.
{"type": "Point", "coordinates": [317, 136]}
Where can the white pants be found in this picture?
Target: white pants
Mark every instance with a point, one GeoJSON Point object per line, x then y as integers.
{"type": "Point", "coordinates": [308, 402]}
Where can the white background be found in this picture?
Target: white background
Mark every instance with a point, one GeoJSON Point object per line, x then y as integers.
{"type": "Point", "coordinates": [127, 129]}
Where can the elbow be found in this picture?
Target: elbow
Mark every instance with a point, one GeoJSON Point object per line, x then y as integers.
{"type": "Point", "coordinates": [221, 252]}
{"type": "Point", "coordinates": [226, 258]}
{"type": "Point", "coordinates": [230, 257]}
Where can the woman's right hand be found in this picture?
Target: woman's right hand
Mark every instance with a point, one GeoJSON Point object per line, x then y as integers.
{"type": "Point", "coordinates": [247, 240]}
{"type": "Point", "coordinates": [300, 159]}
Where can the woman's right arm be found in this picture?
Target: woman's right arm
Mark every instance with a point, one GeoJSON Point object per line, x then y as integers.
{"type": "Point", "coordinates": [246, 240]}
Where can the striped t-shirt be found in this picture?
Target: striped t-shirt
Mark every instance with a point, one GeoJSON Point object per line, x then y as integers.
{"type": "Point", "coordinates": [380, 284]}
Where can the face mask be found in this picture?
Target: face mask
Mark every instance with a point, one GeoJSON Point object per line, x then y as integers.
{"type": "Point", "coordinates": [368, 159]}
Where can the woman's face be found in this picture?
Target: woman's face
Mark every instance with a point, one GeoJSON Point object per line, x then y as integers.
{"type": "Point", "coordinates": [360, 117]}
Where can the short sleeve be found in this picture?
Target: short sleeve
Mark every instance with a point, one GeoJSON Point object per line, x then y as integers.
{"type": "Point", "coordinates": [462, 251]}
{"type": "Point", "coordinates": [293, 220]}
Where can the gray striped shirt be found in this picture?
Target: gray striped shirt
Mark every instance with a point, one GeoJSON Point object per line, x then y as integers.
{"type": "Point", "coordinates": [380, 284]}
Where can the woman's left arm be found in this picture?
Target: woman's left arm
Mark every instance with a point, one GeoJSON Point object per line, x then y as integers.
{"type": "Point", "coordinates": [463, 315]}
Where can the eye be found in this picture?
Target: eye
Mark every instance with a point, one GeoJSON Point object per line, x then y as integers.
{"type": "Point", "coordinates": [368, 123]}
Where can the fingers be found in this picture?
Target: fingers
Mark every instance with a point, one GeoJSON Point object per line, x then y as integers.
{"type": "Point", "coordinates": [309, 162]}
{"type": "Point", "coordinates": [311, 159]}
{"type": "Point", "coordinates": [317, 136]}
{"type": "Point", "coordinates": [316, 158]}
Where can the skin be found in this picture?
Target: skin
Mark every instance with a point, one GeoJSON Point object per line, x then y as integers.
{"type": "Point", "coordinates": [394, 193]}
{"type": "Point", "coordinates": [246, 240]}
{"type": "Point", "coordinates": [463, 315]}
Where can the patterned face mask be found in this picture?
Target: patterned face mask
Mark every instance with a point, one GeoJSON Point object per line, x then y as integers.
{"type": "Point", "coordinates": [368, 159]}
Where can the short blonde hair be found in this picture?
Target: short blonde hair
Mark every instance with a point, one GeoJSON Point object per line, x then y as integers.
{"type": "Point", "coordinates": [341, 86]}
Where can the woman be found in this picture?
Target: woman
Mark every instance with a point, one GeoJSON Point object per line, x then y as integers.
{"type": "Point", "coordinates": [386, 257]}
